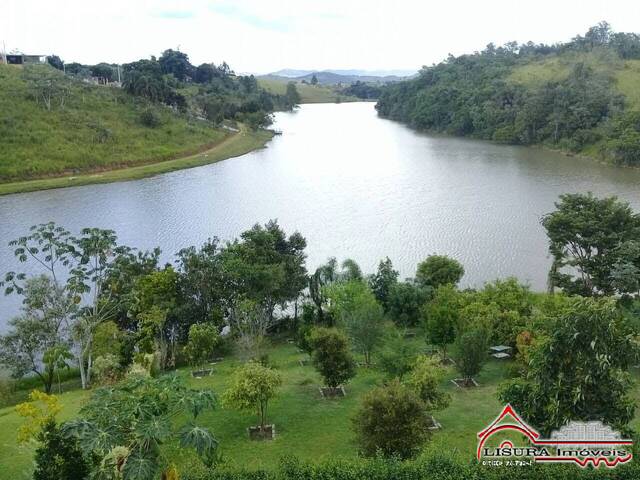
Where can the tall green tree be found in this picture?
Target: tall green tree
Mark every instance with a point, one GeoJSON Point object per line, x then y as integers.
{"type": "Point", "coordinates": [578, 369]}
{"type": "Point", "coordinates": [588, 237]}
{"type": "Point", "coordinates": [383, 281]}
{"type": "Point", "coordinates": [441, 318]}
{"type": "Point", "coordinates": [439, 270]}
{"type": "Point", "coordinates": [292, 95]}
{"type": "Point", "coordinates": [42, 326]}
{"type": "Point", "coordinates": [266, 266]}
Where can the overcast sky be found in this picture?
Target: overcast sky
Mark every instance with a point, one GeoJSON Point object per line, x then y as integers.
{"type": "Point", "coordinates": [262, 36]}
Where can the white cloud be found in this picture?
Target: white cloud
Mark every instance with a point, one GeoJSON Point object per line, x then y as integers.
{"type": "Point", "coordinates": [261, 36]}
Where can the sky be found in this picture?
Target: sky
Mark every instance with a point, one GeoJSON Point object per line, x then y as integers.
{"type": "Point", "coordinates": [261, 36]}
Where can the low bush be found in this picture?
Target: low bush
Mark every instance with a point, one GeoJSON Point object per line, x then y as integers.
{"type": "Point", "coordinates": [434, 466]}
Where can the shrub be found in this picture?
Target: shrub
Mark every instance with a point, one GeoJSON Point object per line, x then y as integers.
{"type": "Point", "coordinates": [106, 368]}
{"type": "Point", "coordinates": [331, 356]}
{"type": "Point", "coordinates": [150, 118]}
{"type": "Point", "coordinates": [424, 379]}
{"type": "Point", "coordinates": [58, 457]}
{"type": "Point", "coordinates": [393, 421]}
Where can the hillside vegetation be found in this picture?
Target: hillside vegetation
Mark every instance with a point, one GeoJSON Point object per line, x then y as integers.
{"type": "Point", "coordinates": [55, 124]}
{"type": "Point", "coordinates": [582, 96]}
{"type": "Point", "coordinates": [98, 127]}
{"type": "Point", "coordinates": [308, 93]}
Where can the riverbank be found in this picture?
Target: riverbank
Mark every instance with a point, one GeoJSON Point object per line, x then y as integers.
{"type": "Point", "coordinates": [233, 145]}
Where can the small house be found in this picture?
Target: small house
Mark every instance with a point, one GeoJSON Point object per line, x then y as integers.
{"type": "Point", "coordinates": [22, 59]}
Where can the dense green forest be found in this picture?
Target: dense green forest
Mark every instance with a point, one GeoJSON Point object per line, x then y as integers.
{"type": "Point", "coordinates": [70, 119]}
{"type": "Point", "coordinates": [582, 96]}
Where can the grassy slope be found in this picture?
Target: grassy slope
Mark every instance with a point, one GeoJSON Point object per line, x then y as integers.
{"type": "Point", "coordinates": [308, 93]}
{"type": "Point", "coordinates": [231, 146]}
{"type": "Point", "coordinates": [41, 144]}
{"type": "Point", "coordinates": [306, 425]}
{"type": "Point", "coordinates": [625, 73]}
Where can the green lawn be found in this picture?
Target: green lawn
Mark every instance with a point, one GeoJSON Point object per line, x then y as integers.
{"type": "Point", "coordinates": [307, 426]}
{"type": "Point", "coordinates": [308, 93]}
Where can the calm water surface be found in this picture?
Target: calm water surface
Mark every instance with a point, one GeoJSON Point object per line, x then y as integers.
{"type": "Point", "coordinates": [355, 186]}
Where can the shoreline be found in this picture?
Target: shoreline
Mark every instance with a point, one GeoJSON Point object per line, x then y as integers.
{"type": "Point", "coordinates": [232, 146]}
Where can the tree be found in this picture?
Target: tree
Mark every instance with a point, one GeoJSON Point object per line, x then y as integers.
{"type": "Point", "coordinates": [201, 286]}
{"type": "Point", "coordinates": [589, 236]}
{"type": "Point", "coordinates": [265, 266]}
{"type": "Point", "coordinates": [439, 270]}
{"type": "Point", "coordinates": [441, 317]}
{"type": "Point", "coordinates": [104, 71]}
{"type": "Point", "coordinates": [55, 359]}
{"type": "Point", "coordinates": [203, 339]}
{"type": "Point", "coordinates": [578, 369]}
{"type": "Point", "coordinates": [391, 420]}
{"type": "Point", "coordinates": [331, 356]}
{"type": "Point", "coordinates": [93, 253]}
{"type": "Point", "coordinates": [205, 72]}
{"type": "Point", "coordinates": [176, 63]}
{"type": "Point", "coordinates": [405, 302]}
{"type": "Point", "coordinates": [86, 261]}
{"type": "Point", "coordinates": [365, 324]}
{"type": "Point", "coordinates": [56, 62]}
{"type": "Point", "coordinates": [46, 85]}
{"type": "Point", "coordinates": [424, 379]}
{"type": "Point", "coordinates": [314, 79]}
{"type": "Point", "coordinates": [383, 281]}
{"type": "Point", "coordinates": [292, 96]}
{"type": "Point", "coordinates": [252, 387]}
{"type": "Point", "coordinates": [27, 346]}
{"type": "Point", "coordinates": [397, 356]}
{"type": "Point", "coordinates": [250, 323]}
{"type": "Point", "coordinates": [323, 276]}
{"type": "Point", "coordinates": [154, 301]}
{"type": "Point", "coordinates": [123, 426]}
{"type": "Point", "coordinates": [471, 353]}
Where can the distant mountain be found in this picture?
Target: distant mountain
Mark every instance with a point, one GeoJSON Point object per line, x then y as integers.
{"type": "Point", "coordinates": [335, 77]}
{"type": "Point", "coordinates": [293, 73]}
{"type": "Point", "coordinates": [289, 73]}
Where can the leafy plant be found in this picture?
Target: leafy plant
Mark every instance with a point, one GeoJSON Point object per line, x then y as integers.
{"type": "Point", "coordinates": [142, 413]}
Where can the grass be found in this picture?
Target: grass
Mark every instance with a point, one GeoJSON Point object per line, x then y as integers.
{"type": "Point", "coordinates": [232, 145]}
{"type": "Point", "coordinates": [99, 128]}
{"type": "Point", "coordinates": [308, 93]}
{"type": "Point", "coordinates": [625, 73]}
{"type": "Point", "coordinates": [307, 426]}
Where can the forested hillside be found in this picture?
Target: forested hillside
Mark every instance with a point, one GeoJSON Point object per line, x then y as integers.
{"type": "Point", "coordinates": [582, 96]}
{"type": "Point", "coordinates": [55, 123]}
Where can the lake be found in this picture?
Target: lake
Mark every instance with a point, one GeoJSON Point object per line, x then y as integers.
{"type": "Point", "coordinates": [355, 186]}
